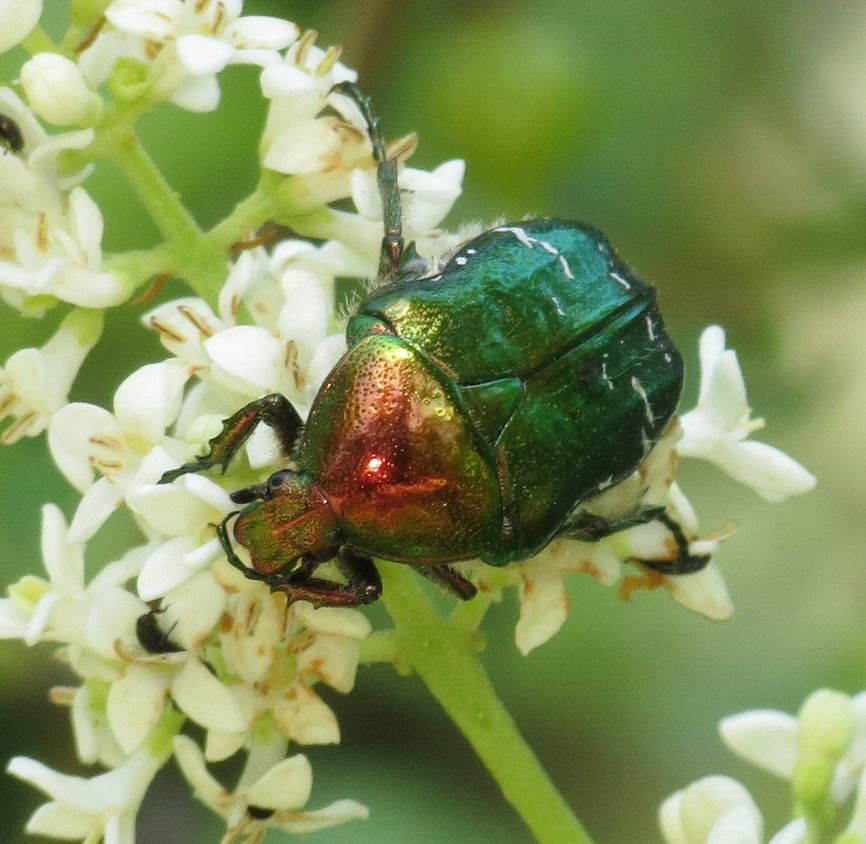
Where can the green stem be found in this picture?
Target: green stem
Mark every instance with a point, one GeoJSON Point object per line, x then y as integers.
{"type": "Point", "coordinates": [445, 660]}
{"type": "Point", "coordinates": [172, 219]}
{"type": "Point", "coordinates": [195, 260]}
{"type": "Point", "coordinates": [250, 213]}
{"type": "Point", "coordinates": [39, 41]}
{"type": "Point", "coordinates": [380, 646]}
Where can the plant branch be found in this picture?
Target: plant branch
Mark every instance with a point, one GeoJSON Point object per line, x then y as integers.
{"type": "Point", "coordinates": [444, 658]}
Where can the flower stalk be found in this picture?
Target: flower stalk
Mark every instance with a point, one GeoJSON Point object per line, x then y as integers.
{"type": "Point", "coordinates": [446, 661]}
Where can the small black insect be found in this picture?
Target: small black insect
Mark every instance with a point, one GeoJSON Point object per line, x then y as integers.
{"type": "Point", "coordinates": [152, 637]}
{"type": "Point", "coordinates": [11, 138]}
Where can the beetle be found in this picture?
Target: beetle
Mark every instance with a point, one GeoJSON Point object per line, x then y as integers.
{"type": "Point", "coordinates": [474, 413]}
{"type": "Point", "coordinates": [11, 138]}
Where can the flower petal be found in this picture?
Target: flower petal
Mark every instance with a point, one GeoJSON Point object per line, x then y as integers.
{"type": "Point", "coordinates": [205, 700]}
{"type": "Point", "coordinates": [201, 55]}
{"type": "Point", "coordinates": [765, 738]}
{"type": "Point", "coordinates": [287, 785]}
{"type": "Point", "coordinates": [770, 472]}
{"type": "Point", "coordinates": [688, 816]}
{"type": "Point", "coordinates": [148, 401]}
{"type": "Point", "coordinates": [544, 605]}
{"type": "Point", "coordinates": [245, 359]}
{"type": "Point", "coordinates": [703, 592]}
{"type": "Point", "coordinates": [136, 702]}
{"type": "Point", "coordinates": [305, 718]}
{"type": "Point", "coordinates": [191, 763]}
{"type": "Point", "coordinates": [340, 811]}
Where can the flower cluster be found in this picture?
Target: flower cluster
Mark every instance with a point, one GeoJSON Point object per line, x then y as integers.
{"type": "Point", "coordinates": [821, 752]}
{"type": "Point", "coordinates": [169, 632]}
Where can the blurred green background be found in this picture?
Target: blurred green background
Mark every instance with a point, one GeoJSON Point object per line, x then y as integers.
{"type": "Point", "coordinates": [722, 146]}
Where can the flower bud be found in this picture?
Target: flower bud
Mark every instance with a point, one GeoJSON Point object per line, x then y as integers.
{"type": "Point", "coordinates": [825, 724]}
{"type": "Point", "coordinates": [825, 729]}
{"type": "Point", "coordinates": [56, 89]}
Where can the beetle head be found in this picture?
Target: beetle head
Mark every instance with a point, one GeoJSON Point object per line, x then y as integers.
{"type": "Point", "coordinates": [288, 517]}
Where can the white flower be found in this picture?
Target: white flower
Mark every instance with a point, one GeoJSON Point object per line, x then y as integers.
{"type": "Point", "coordinates": [186, 511]}
{"type": "Point", "coordinates": [83, 437]}
{"type": "Point", "coordinates": [88, 810]}
{"type": "Point", "coordinates": [544, 601]}
{"type": "Point", "coordinates": [279, 654]}
{"type": "Point", "coordinates": [131, 450]}
{"type": "Point", "coordinates": [35, 383]}
{"type": "Point", "coordinates": [62, 258]}
{"type": "Point", "coordinates": [718, 810]}
{"type": "Point", "coordinates": [17, 19]}
{"type": "Point", "coordinates": [289, 350]}
{"type": "Point", "coordinates": [296, 140]}
{"type": "Point", "coordinates": [272, 798]}
{"type": "Point", "coordinates": [195, 42]}
{"type": "Point", "coordinates": [63, 608]}
{"type": "Point", "coordinates": [716, 430]}
{"type": "Point", "coordinates": [56, 89]}
{"type": "Point", "coordinates": [427, 197]}
{"type": "Point", "coordinates": [774, 741]}
{"type": "Point", "coordinates": [36, 216]}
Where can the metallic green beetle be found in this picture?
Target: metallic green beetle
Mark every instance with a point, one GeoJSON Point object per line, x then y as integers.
{"type": "Point", "coordinates": [474, 411]}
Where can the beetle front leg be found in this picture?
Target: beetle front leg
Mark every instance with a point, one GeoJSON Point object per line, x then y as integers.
{"type": "Point", "coordinates": [363, 584]}
{"type": "Point", "coordinates": [274, 410]}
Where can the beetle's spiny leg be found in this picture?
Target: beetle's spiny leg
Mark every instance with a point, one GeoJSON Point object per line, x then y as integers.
{"type": "Point", "coordinates": [588, 527]}
{"type": "Point", "coordinates": [363, 584]}
{"type": "Point", "coordinates": [684, 563]}
{"type": "Point", "coordinates": [451, 580]}
{"type": "Point", "coordinates": [361, 573]}
{"type": "Point", "coordinates": [386, 176]}
{"type": "Point", "coordinates": [275, 410]}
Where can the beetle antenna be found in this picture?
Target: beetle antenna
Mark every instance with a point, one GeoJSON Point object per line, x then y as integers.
{"type": "Point", "coordinates": [386, 176]}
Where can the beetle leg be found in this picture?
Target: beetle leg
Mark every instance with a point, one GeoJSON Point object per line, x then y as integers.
{"type": "Point", "coordinates": [274, 410]}
{"type": "Point", "coordinates": [386, 172]}
{"type": "Point", "coordinates": [587, 527]}
{"type": "Point", "coordinates": [450, 580]}
{"type": "Point", "coordinates": [231, 555]}
{"type": "Point", "coordinates": [363, 584]}
{"type": "Point", "coordinates": [684, 562]}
